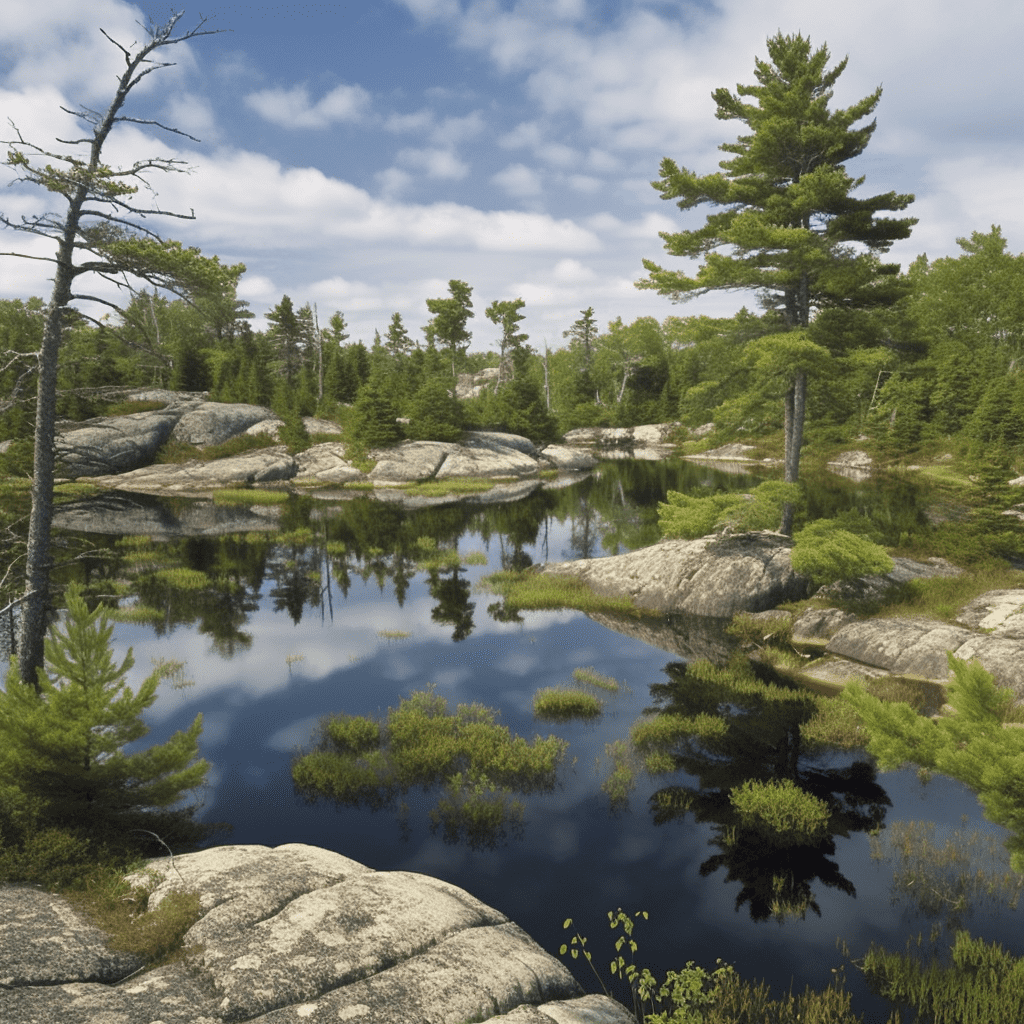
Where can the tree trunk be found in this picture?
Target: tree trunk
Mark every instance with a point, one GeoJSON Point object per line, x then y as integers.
{"type": "Point", "coordinates": [32, 629]}
{"type": "Point", "coordinates": [796, 406]}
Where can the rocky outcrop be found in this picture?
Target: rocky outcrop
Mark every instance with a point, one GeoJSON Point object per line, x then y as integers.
{"type": "Point", "coordinates": [195, 478]}
{"type": "Point", "coordinates": [113, 444]}
{"type": "Point", "coordinates": [293, 934]}
{"type": "Point", "coordinates": [479, 454]}
{"type": "Point", "coordinates": [216, 422]}
{"type": "Point", "coordinates": [472, 385]}
{"type": "Point", "coordinates": [730, 458]}
{"type": "Point", "coordinates": [989, 629]}
{"type": "Point", "coordinates": [712, 576]}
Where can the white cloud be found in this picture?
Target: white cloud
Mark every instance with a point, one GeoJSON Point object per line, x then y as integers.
{"type": "Point", "coordinates": [59, 42]}
{"type": "Point", "coordinates": [518, 180]}
{"type": "Point", "coordinates": [572, 272]}
{"type": "Point", "coordinates": [584, 183]}
{"type": "Point", "coordinates": [291, 108]}
{"type": "Point", "coordinates": [193, 114]}
{"type": "Point", "coordinates": [435, 163]}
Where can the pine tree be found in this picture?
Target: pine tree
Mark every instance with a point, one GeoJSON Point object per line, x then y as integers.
{"type": "Point", "coordinates": [971, 744]}
{"type": "Point", "coordinates": [62, 749]}
{"type": "Point", "coordinates": [448, 325]}
{"type": "Point", "coordinates": [789, 226]}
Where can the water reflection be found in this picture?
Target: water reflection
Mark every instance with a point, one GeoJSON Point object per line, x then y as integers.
{"type": "Point", "coordinates": [723, 727]}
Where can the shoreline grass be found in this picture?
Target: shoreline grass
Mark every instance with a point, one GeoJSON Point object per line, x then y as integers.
{"type": "Point", "coordinates": [561, 704]}
{"type": "Point", "coordinates": [533, 591]}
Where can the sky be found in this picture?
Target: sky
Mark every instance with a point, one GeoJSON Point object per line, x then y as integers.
{"type": "Point", "coordinates": [358, 156]}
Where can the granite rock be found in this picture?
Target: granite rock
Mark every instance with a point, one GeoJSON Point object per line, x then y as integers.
{"type": "Point", "coordinates": [292, 934]}
{"type": "Point", "coordinates": [713, 576]}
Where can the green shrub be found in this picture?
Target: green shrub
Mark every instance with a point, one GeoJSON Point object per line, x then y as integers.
{"type": "Point", "coordinates": [827, 553]}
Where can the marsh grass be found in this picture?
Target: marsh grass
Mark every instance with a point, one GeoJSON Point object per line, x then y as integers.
{"type": "Point", "coordinates": [478, 764]}
{"type": "Point", "coordinates": [561, 704]}
{"type": "Point", "coordinates": [532, 591]}
{"type": "Point", "coordinates": [941, 597]}
{"type": "Point", "coordinates": [394, 634]}
{"type": "Point", "coordinates": [249, 496]}
{"type": "Point", "coordinates": [946, 880]}
{"type": "Point", "coordinates": [455, 485]}
{"type": "Point", "coordinates": [697, 995]}
{"type": "Point", "coordinates": [591, 677]}
{"type": "Point", "coordinates": [139, 614]}
{"type": "Point", "coordinates": [128, 407]}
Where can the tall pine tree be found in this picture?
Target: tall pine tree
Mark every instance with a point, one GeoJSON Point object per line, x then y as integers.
{"type": "Point", "coordinates": [789, 225]}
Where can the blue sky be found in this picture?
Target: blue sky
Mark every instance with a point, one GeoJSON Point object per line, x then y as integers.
{"type": "Point", "coordinates": [358, 156]}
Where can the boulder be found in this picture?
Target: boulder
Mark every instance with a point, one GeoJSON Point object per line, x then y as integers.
{"type": "Point", "coordinates": [568, 460]}
{"type": "Point", "coordinates": [855, 465]}
{"type": "Point", "coordinates": [326, 462]}
{"type": "Point", "coordinates": [486, 454]}
{"type": "Point", "coordinates": [113, 444]}
{"type": "Point", "coordinates": [216, 422]}
{"type": "Point", "coordinates": [819, 625]}
{"type": "Point", "coordinates": [409, 461]}
{"type": "Point", "coordinates": [291, 934]}
{"type": "Point", "coordinates": [734, 452]}
{"type": "Point", "coordinates": [713, 576]}
{"type": "Point", "coordinates": [472, 385]}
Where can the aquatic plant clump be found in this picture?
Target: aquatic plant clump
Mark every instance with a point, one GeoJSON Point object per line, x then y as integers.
{"type": "Point", "coordinates": [361, 762]}
{"type": "Point", "coordinates": [562, 704]}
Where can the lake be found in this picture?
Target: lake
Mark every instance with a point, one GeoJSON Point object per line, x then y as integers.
{"type": "Point", "coordinates": [331, 615]}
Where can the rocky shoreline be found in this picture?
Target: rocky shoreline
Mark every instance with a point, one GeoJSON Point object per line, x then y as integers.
{"type": "Point", "coordinates": [718, 577]}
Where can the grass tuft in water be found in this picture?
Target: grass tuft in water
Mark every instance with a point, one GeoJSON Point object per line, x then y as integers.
{"type": "Point", "coordinates": [522, 591]}
{"type": "Point", "coordinates": [591, 677]}
{"type": "Point", "coordinates": [561, 705]}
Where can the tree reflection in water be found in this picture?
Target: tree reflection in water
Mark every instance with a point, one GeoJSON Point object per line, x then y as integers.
{"type": "Point", "coordinates": [762, 741]}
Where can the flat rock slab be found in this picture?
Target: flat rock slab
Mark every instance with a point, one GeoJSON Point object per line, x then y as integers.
{"type": "Point", "coordinates": [265, 465]}
{"type": "Point", "coordinates": [819, 625]}
{"type": "Point", "coordinates": [44, 941]}
{"type": "Point", "coordinates": [1001, 611]}
{"type": "Point", "coordinates": [903, 571]}
{"type": "Point", "coordinates": [712, 576]}
{"type": "Point", "coordinates": [905, 647]}
{"type": "Point", "coordinates": [292, 934]}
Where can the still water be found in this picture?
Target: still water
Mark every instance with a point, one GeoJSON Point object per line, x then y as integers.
{"type": "Point", "coordinates": [332, 615]}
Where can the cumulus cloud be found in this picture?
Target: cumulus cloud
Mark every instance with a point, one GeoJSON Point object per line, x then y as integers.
{"type": "Point", "coordinates": [518, 180]}
{"type": "Point", "coordinates": [292, 108]}
{"type": "Point", "coordinates": [435, 163]}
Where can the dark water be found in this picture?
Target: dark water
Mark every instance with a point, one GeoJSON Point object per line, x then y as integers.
{"type": "Point", "coordinates": [282, 646]}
